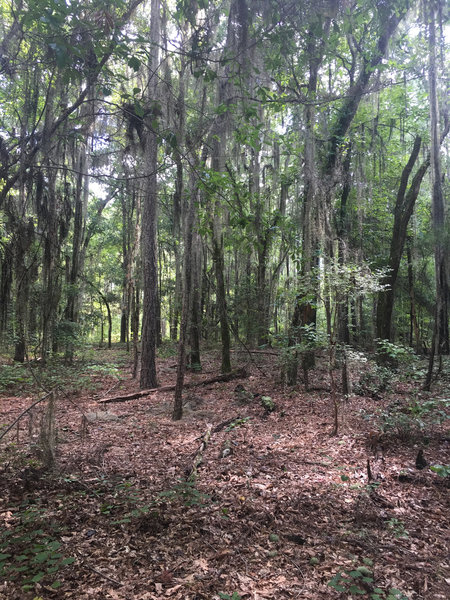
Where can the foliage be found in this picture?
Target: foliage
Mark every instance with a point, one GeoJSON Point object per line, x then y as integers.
{"type": "Point", "coordinates": [20, 378]}
{"type": "Point", "coordinates": [360, 582]}
{"type": "Point", "coordinates": [185, 492]}
{"type": "Point", "coordinates": [30, 553]}
{"type": "Point", "coordinates": [413, 420]}
{"type": "Point", "coordinates": [441, 470]}
{"type": "Point", "coordinates": [398, 528]}
{"type": "Point", "coordinates": [394, 354]}
{"type": "Point", "coordinates": [268, 404]}
{"type": "Point", "coordinates": [233, 596]}
{"type": "Point", "coordinates": [311, 339]}
{"type": "Point", "coordinates": [237, 423]}
{"type": "Point", "coordinates": [374, 381]}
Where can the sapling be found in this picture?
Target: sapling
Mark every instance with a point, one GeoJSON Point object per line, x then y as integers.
{"type": "Point", "coordinates": [342, 284]}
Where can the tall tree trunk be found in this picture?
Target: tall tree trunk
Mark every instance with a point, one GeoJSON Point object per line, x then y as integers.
{"type": "Point", "coordinates": [186, 301]}
{"type": "Point", "coordinates": [196, 315]}
{"type": "Point", "coordinates": [148, 378]}
{"type": "Point", "coordinates": [22, 276]}
{"type": "Point", "coordinates": [218, 165]}
{"type": "Point", "coordinates": [440, 343]}
{"type": "Point", "coordinates": [305, 308]}
{"type": "Point", "coordinates": [81, 236]}
{"type": "Point", "coordinates": [414, 335]}
{"type": "Point", "coordinates": [343, 243]}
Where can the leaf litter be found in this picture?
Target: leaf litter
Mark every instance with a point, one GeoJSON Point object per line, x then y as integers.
{"type": "Point", "coordinates": [277, 516]}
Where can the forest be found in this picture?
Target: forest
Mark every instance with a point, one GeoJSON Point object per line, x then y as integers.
{"type": "Point", "coordinates": [224, 299]}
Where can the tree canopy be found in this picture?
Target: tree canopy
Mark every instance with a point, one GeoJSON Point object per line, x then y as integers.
{"type": "Point", "coordinates": [257, 173]}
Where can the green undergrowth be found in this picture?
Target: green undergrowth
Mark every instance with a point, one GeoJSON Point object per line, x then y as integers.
{"type": "Point", "coordinates": [86, 373]}
{"type": "Point", "coordinates": [31, 551]}
{"type": "Point", "coordinates": [411, 420]}
{"type": "Point", "coordinates": [34, 548]}
{"type": "Point", "coordinates": [360, 582]}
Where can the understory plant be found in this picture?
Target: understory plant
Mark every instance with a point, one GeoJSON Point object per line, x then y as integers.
{"type": "Point", "coordinates": [30, 552]}
{"type": "Point", "coordinates": [415, 419]}
{"type": "Point", "coordinates": [360, 582]}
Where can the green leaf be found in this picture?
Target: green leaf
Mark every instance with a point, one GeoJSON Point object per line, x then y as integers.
{"type": "Point", "coordinates": [134, 63]}
{"type": "Point", "coordinates": [4, 556]}
{"type": "Point", "coordinates": [138, 109]}
{"type": "Point", "coordinates": [354, 589]}
{"type": "Point", "coordinates": [222, 108]}
{"type": "Point", "coordinates": [21, 557]}
{"type": "Point", "coordinates": [52, 570]}
{"type": "Point", "coordinates": [441, 470]}
{"type": "Point", "coordinates": [41, 557]}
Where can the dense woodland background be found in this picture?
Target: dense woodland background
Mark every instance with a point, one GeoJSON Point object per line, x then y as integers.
{"type": "Point", "coordinates": [255, 173]}
{"type": "Point", "coordinates": [251, 195]}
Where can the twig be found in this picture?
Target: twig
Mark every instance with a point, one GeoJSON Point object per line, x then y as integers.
{"type": "Point", "coordinates": [114, 386]}
{"type": "Point", "coordinates": [107, 577]}
{"type": "Point", "coordinates": [8, 429]}
{"type": "Point", "coordinates": [220, 426]}
{"type": "Point", "coordinates": [294, 563]}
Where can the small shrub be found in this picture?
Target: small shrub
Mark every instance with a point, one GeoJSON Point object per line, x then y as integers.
{"type": "Point", "coordinates": [237, 423]}
{"type": "Point", "coordinates": [374, 382]}
{"type": "Point", "coordinates": [234, 596]}
{"type": "Point", "coordinates": [413, 420]}
{"type": "Point", "coordinates": [360, 582]}
{"type": "Point", "coordinates": [398, 528]}
{"type": "Point", "coordinates": [185, 492]}
{"type": "Point", "coordinates": [393, 355]}
{"type": "Point", "coordinates": [441, 470]}
{"type": "Point", "coordinates": [167, 349]}
{"type": "Point", "coordinates": [29, 554]}
{"type": "Point", "coordinates": [268, 404]}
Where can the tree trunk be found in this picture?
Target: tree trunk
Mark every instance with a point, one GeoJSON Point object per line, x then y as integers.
{"type": "Point", "coordinates": [22, 276]}
{"type": "Point", "coordinates": [196, 315]}
{"type": "Point", "coordinates": [186, 302]}
{"type": "Point", "coordinates": [148, 378]}
{"type": "Point", "coordinates": [440, 343]}
{"type": "Point", "coordinates": [414, 335]}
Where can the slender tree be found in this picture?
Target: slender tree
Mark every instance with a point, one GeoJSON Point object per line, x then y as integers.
{"type": "Point", "coordinates": [148, 377]}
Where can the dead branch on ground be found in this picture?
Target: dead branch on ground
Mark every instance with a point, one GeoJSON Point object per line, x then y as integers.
{"type": "Point", "coordinates": [169, 388]}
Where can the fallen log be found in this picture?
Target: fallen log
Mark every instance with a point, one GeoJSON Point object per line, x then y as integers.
{"type": "Point", "coordinates": [237, 374]}
{"type": "Point", "coordinates": [267, 352]}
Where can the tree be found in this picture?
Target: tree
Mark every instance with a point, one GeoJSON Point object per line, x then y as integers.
{"type": "Point", "coordinates": [440, 344]}
{"type": "Point", "coordinates": [148, 378]}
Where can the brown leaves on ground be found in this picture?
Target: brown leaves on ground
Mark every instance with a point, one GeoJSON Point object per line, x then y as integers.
{"type": "Point", "coordinates": [284, 511]}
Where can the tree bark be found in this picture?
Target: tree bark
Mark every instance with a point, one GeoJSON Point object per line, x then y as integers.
{"type": "Point", "coordinates": [440, 343]}
{"type": "Point", "coordinates": [148, 378]}
{"type": "Point", "coordinates": [186, 301]}
{"type": "Point", "coordinates": [404, 206]}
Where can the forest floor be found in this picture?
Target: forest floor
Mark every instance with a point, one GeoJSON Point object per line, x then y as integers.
{"type": "Point", "coordinates": [280, 508]}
